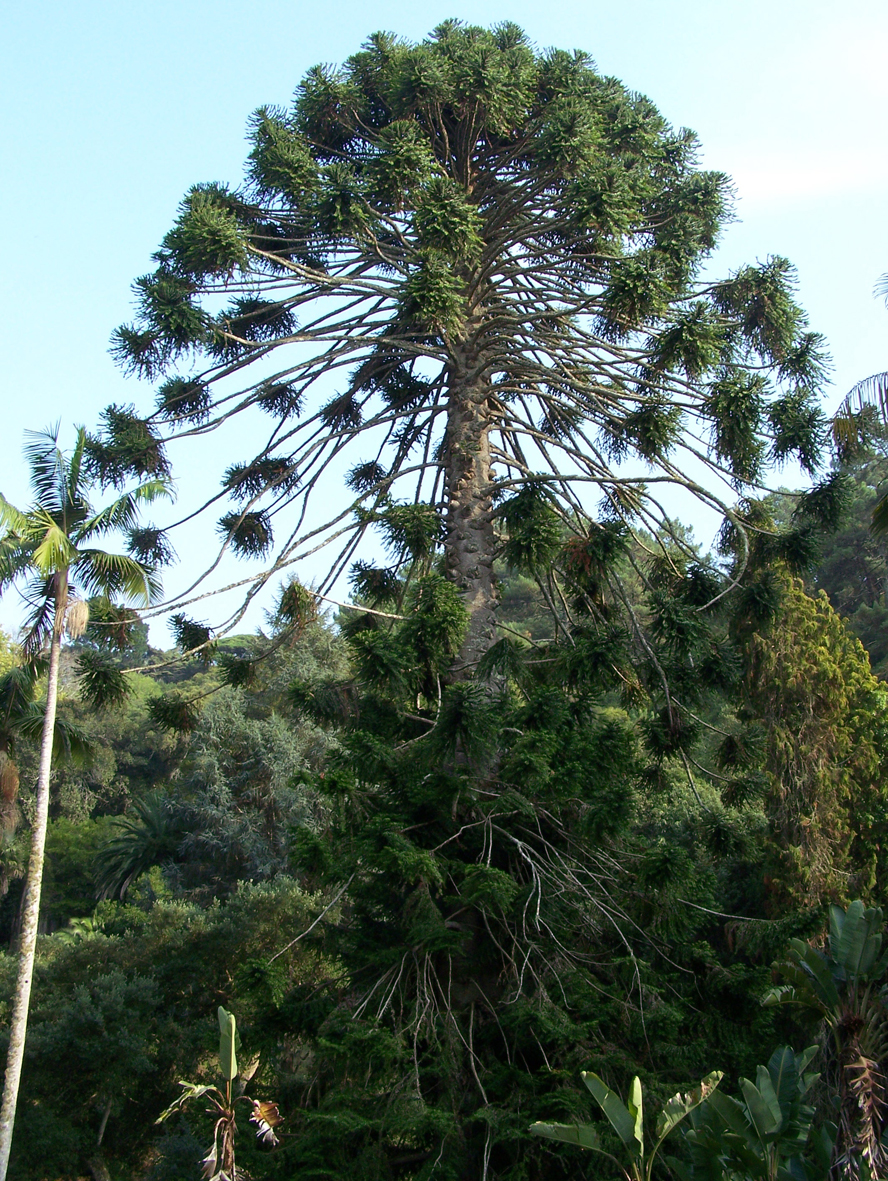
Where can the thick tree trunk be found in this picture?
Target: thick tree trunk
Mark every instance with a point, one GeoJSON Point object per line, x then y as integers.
{"type": "Point", "coordinates": [31, 910]}
{"type": "Point", "coordinates": [470, 539]}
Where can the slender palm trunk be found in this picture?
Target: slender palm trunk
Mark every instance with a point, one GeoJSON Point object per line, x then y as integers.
{"type": "Point", "coordinates": [31, 912]}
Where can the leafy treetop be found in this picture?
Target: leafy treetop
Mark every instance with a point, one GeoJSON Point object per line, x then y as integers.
{"type": "Point", "coordinates": [466, 252]}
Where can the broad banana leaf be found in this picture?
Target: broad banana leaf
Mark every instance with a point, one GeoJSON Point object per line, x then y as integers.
{"type": "Point", "coordinates": [227, 1051]}
{"type": "Point", "coordinates": [818, 968]}
{"type": "Point", "coordinates": [191, 1091]}
{"type": "Point", "coordinates": [636, 1110]}
{"type": "Point", "coordinates": [855, 940]}
{"type": "Point", "coordinates": [731, 1113]}
{"type": "Point", "coordinates": [681, 1105]}
{"type": "Point", "coordinates": [621, 1119]}
{"type": "Point", "coordinates": [764, 1110]}
{"type": "Point", "coordinates": [581, 1135]}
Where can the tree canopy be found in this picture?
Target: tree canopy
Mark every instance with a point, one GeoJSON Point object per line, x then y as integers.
{"type": "Point", "coordinates": [453, 255]}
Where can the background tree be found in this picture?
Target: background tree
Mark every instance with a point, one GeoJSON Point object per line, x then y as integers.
{"type": "Point", "coordinates": [126, 1002]}
{"type": "Point", "coordinates": [467, 253]}
{"type": "Point", "coordinates": [23, 717]}
{"type": "Point", "coordinates": [818, 724]}
{"type": "Point", "coordinates": [51, 546]}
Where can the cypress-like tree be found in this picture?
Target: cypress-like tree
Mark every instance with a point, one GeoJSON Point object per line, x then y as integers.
{"type": "Point", "coordinates": [454, 255]}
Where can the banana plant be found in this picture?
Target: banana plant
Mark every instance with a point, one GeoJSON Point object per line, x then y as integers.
{"type": "Point", "coordinates": [843, 988]}
{"type": "Point", "coordinates": [627, 1120]}
{"type": "Point", "coordinates": [218, 1164]}
{"type": "Point", "coordinates": [765, 1135]}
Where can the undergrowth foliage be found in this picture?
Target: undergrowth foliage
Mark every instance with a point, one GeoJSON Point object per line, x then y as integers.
{"type": "Point", "coordinates": [509, 916]}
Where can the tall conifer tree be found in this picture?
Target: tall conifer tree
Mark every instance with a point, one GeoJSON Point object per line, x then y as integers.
{"type": "Point", "coordinates": [480, 270]}
{"type": "Point", "coordinates": [454, 255]}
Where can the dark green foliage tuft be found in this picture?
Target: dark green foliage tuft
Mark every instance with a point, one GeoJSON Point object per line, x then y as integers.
{"type": "Point", "coordinates": [266, 474]}
{"type": "Point", "coordinates": [435, 622]}
{"type": "Point", "coordinates": [151, 546]}
{"type": "Point", "coordinates": [736, 405]}
{"type": "Point", "coordinates": [799, 429]}
{"type": "Point", "coordinates": [374, 585]}
{"type": "Point", "coordinates": [237, 672]}
{"type": "Point", "coordinates": [174, 713]}
{"type": "Point", "coordinates": [532, 527]}
{"type": "Point", "coordinates": [126, 447]}
{"type": "Point", "coordinates": [206, 239]}
{"type": "Point", "coordinates": [112, 627]}
{"type": "Point", "coordinates": [180, 399]}
{"type": "Point", "coordinates": [249, 533]}
{"type": "Point", "coordinates": [295, 607]}
{"type": "Point", "coordinates": [279, 398]}
{"type": "Point", "coordinates": [826, 503]}
{"type": "Point", "coordinates": [281, 161]}
{"type": "Point", "coordinates": [364, 477]}
{"type": "Point", "coordinates": [410, 530]}
{"type": "Point", "coordinates": [100, 681]}
{"type": "Point", "coordinates": [191, 636]}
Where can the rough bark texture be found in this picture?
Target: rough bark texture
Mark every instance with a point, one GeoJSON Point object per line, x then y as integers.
{"type": "Point", "coordinates": [31, 910]}
{"type": "Point", "coordinates": [470, 539]}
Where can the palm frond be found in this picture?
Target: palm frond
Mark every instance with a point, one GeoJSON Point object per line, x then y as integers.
{"type": "Point", "coordinates": [123, 513]}
{"type": "Point", "coordinates": [151, 490]}
{"type": "Point", "coordinates": [40, 598]}
{"type": "Point", "coordinates": [98, 572]}
{"type": "Point", "coordinates": [143, 840]}
{"type": "Point", "coordinates": [871, 392]}
{"type": "Point", "coordinates": [69, 741]}
{"type": "Point", "coordinates": [16, 697]}
{"type": "Point", "coordinates": [75, 466]}
{"type": "Point", "coordinates": [15, 559]}
{"type": "Point", "coordinates": [879, 522]}
{"type": "Point", "coordinates": [54, 552]}
{"type": "Point", "coordinates": [11, 518]}
{"type": "Point", "coordinates": [49, 476]}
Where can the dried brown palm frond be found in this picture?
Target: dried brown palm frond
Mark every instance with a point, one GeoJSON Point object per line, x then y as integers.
{"type": "Point", "coordinates": [867, 1084]}
{"type": "Point", "coordinates": [9, 785]}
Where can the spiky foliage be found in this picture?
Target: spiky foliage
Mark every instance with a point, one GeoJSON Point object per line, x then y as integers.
{"type": "Point", "coordinates": [100, 681]}
{"type": "Point", "coordinates": [174, 713]}
{"type": "Point", "coordinates": [192, 637]}
{"type": "Point", "coordinates": [111, 626]}
{"type": "Point", "coordinates": [496, 256]}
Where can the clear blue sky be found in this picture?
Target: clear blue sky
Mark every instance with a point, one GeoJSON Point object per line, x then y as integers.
{"type": "Point", "coordinates": [113, 110]}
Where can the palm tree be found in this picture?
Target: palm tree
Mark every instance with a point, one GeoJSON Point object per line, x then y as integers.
{"type": "Point", "coordinates": [143, 841]}
{"type": "Point", "coordinates": [850, 422]}
{"type": "Point", "coordinates": [49, 546]}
